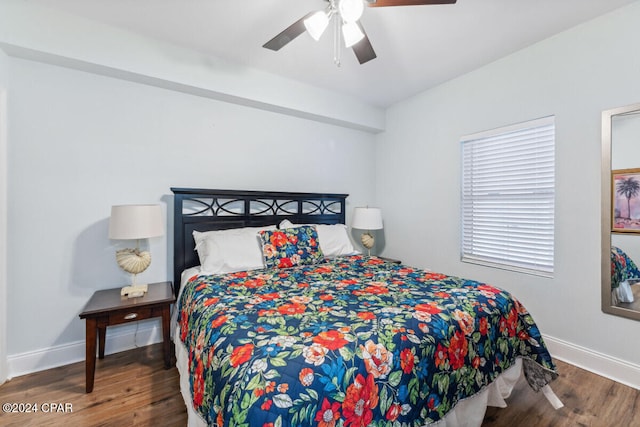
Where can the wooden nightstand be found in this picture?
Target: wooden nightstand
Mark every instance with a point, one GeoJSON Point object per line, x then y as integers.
{"type": "Point", "coordinates": [108, 308]}
{"type": "Point", "coordinates": [395, 261]}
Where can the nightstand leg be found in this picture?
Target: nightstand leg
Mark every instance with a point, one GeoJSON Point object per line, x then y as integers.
{"type": "Point", "coordinates": [166, 336]}
{"type": "Point", "coordinates": [90, 363]}
{"type": "Point", "coordinates": [102, 333]}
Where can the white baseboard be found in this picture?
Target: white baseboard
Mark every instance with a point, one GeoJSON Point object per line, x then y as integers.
{"type": "Point", "coordinates": [600, 364]}
{"type": "Point", "coordinates": [118, 339]}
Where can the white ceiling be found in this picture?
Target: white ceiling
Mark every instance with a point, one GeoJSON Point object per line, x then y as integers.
{"type": "Point", "coordinates": [418, 47]}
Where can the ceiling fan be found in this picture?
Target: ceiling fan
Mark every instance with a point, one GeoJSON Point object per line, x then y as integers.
{"type": "Point", "coordinates": [347, 15]}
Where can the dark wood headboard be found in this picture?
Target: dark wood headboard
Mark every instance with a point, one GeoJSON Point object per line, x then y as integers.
{"type": "Point", "coordinates": [206, 210]}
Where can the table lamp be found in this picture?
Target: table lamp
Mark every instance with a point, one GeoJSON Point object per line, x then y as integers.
{"type": "Point", "coordinates": [367, 219]}
{"type": "Point", "coordinates": [135, 222]}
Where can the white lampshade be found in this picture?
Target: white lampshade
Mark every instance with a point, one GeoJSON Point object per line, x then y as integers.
{"type": "Point", "coordinates": [367, 218]}
{"type": "Point", "coordinates": [351, 10]}
{"type": "Point", "coordinates": [316, 24]}
{"type": "Point", "coordinates": [352, 33]}
{"type": "Point", "coordinates": [130, 222]}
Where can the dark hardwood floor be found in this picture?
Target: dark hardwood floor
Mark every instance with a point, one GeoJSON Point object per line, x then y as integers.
{"type": "Point", "coordinates": [133, 389]}
{"type": "Point", "coordinates": [589, 400]}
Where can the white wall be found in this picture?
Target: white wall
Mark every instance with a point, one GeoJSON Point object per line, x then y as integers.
{"type": "Point", "coordinates": [3, 218]}
{"type": "Point", "coordinates": [574, 76]}
{"type": "Point", "coordinates": [79, 143]}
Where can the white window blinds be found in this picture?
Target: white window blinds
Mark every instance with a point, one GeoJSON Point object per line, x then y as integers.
{"type": "Point", "coordinates": [508, 180]}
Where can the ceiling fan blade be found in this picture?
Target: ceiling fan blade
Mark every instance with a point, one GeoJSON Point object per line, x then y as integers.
{"type": "Point", "coordinates": [363, 49]}
{"type": "Point", "coordinates": [289, 33]}
{"type": "Point", "coordinates": [384, 3]}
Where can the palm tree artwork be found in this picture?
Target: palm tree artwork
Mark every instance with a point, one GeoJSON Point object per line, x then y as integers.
{"type": "Point", "coordinates": [628, 188]}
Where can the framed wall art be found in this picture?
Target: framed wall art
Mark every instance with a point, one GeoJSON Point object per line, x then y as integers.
{"type": "Point", "coordinates": [625, 204]}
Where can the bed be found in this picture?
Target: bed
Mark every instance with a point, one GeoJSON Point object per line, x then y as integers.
{"type": "Point", "coordinates": [318, 334]}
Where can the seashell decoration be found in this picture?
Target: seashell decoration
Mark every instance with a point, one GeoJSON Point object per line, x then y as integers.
{"type": "Point", "coordinates": [133, 261]}
{"type": "Point", "coordinates": [367, 240]}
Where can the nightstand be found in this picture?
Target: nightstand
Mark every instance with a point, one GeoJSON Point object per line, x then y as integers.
{"type": "Point", "coordinates": [394, 261]}
{"type": "Point", "coordinates": [108, 308]}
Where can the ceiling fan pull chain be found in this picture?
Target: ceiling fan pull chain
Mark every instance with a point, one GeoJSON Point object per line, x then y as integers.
{"type": "Point", "coordinates": [337, 41]}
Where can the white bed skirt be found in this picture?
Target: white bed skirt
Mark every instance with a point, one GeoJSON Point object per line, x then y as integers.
{"type": "Point", "coordinates": [467, 413]}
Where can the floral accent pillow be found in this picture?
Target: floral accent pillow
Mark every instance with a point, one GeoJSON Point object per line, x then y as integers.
{"type": "Point", "coordinates": [290, 247]}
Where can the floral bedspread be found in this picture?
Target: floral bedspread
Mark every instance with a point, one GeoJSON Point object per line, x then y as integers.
{"type": "Point", "coordinates": [351, 342]}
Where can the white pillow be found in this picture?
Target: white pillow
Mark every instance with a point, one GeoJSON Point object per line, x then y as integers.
{"type": "Point", "coordinates": [334, 238]}
{"type": "Point", "coordinates": [228, 251]}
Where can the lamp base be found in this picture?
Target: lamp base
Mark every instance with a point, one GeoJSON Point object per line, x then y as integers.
{"type": "Point", "coordinates": [133, 291]}
{"type": "Point", "coordinates": [133, 261]}
{"type": "Point", "coordinates": [367, 241]}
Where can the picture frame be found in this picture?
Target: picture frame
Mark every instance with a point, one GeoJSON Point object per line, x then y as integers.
{"type": "Point", "coordinates": [625, 203]}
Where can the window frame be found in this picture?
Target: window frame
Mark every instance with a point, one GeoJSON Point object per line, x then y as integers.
{"type": "Point", "coordinates": [532, 226]}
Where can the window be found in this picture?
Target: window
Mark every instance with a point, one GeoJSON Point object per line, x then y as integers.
{"type": "Point", "coordinates": [508, 180]}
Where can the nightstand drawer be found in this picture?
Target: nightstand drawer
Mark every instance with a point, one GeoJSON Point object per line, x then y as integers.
{"type": "Point", "coordinates": [129, 315]}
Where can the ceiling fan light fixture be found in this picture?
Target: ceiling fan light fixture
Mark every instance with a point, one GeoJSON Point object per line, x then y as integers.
{"type": "Point", "coordinates": [352, 33]}
{"type": "Point", "coordinates": [351, 10]}
{"type": "Point", "coordinates": [316, 24]}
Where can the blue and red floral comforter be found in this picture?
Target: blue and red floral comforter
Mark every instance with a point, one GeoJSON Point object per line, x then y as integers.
{"type": "Point", "coordinates": [351, 342]}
